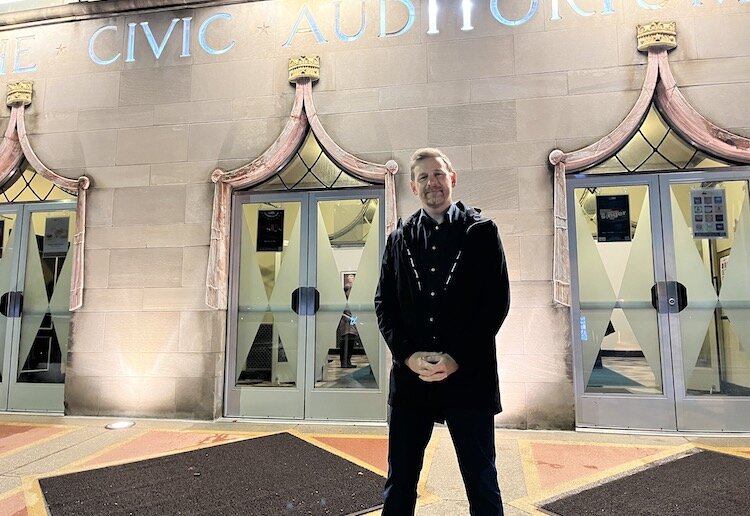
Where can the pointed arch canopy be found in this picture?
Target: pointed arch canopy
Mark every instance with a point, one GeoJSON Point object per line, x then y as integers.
{"type": "Point", "coordinates": [303, 118]}
{"type": "Point", "coordinates": [660, 89]}
{"type": "Point", "coordinates": [14, 149]}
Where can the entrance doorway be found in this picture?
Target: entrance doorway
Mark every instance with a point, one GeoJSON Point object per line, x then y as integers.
{"type": "Point", "coordinates": [303, 336]}
{"type": "Point", "coordinates": [661, 311]}
{"type": "Point", "coordinates": [35, 271]}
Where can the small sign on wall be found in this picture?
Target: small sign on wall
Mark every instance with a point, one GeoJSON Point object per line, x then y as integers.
{"type": "Point", "coordinates": [709, 213]}
{"type": "Point", "coordinates": [613, 218]}
{"type": "Point", "coordinates": [270, 231]}
{"type": "Point", "coordinates": [55, 236]}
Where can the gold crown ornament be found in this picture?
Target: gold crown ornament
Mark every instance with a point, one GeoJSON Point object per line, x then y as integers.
{"type": "Point", "coordinates": [304, 67]}
{"type": "Point", "coordinates": [19, 93]}
{"type": "Point", "coordinates": [657, 35]}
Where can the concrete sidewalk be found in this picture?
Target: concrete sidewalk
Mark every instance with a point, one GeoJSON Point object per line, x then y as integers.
{"type": "Point", "coordinates": [534, 465]}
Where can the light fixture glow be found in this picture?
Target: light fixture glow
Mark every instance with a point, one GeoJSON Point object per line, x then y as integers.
{"type": "Point", "coordinates": [119, 425]}
{"type": "Point", "coordinates": [432, 10]}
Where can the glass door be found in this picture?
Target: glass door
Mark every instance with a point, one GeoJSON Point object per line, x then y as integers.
{"type": "Point", "coordinates": [303, 338]}
{"type": "Point", "coordinates": [662, 311]}
{"type": "Point", "coordinates": [35, 272]}
{"type": "Point", "coordinates": [708, 273]}
{"type": "Point", "coordinates": [621, 324]}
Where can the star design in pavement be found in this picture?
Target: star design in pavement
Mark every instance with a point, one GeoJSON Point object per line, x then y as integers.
{"type": "Point", "coordinates": [263, 29]}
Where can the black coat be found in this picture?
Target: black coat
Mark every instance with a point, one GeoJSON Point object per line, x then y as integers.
{"type": "Point", "coordinates": [473, 306]}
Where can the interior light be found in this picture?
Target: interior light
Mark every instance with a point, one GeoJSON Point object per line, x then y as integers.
{"type": "Point", "coordinates": [432, 13]}
{"type": "Point", "coordinates": [119, 425]}
{"type": "Point", "coordinates": [466, 7]}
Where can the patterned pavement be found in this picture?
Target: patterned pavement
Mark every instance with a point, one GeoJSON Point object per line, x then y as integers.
{"type": "Point", "coordinates": [534, 466]}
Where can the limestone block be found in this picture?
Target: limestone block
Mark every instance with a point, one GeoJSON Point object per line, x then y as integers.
{"type": "Point", "coordinates": [510, 337]}
{"type": "Point", "coordinates": [726, 105]}
{"type": "Point", "coordinates": [152, 145]}
{"type": "Point", "coordinates": [46, 122]}
{"type": "Point", "coordinates": [138, 396]}
{"type": "Point", "coordinates": [378, 131]}
{"type": "Point", "coordinates": [686, 33]}
{"type": "Point", "coordinates": [470, 59]}
{"type": "Point", "coordinates": [472, 124]}
{"type": "Point", "coordinates": [273, 106]}
{"type": "Point", "coordinates": [96, 273]}
{"type": "Point", "coordinates": [529, 368]}
{"type": "Point", "coordinates": [117, 177]}
{"type": "Point", "coordinates": [460, 156]}
{"type": "Point", "coordinates": [519, 87]}
{"type": "Point", "coordinates": [711, 71]}
{"type": "Point", "coordinates": [153, 86]}
{"type": "Point", "coordinates": [182, 172]}
{"type": "Point", "coordinates": [722, 36]}
{"type": "Point", "coordinates": [251, 78]}
{"type": "Point", "coordinates": [174, 299]}
{"type": "Point", "coordinates": [82, 396]}
{"type": "Point", "coordinates": [115, 118]}
{"type": "Point", "coordinates": [76, 150]}
{"type": "Point", "coordinates": [593, 115]}
{"type": "Point", "coordinates": [347, 101]}
{"type": "Point", "coordinates": [380, 67]}
{"type": "Point", "coordinates": [112, 299]}
{"type": "Point", "coordinates": [484, 188]}
{"type": "Point", "coordinates": [192, 112]}
{"type": "Point", "coordinates": [535, 187]}
{"type": "Point", "coordinates": [149, 205]}
{"type": "Point", "coordinates": [546, 330]}
{"type": "Point", "coordinates": [178, 235]}
{"type": "Point", "coordinates": [512, 248]}
{"type": "Point", "coordinates": [147, 332]}
{"type": "Point", "coordinates": [195, 398]}
{"type": "Point", "coordinates": [113, 238]}
{"type": "Point", "coordinates": [422, 95]}
{"type": "Point", "coordinates": [624, 78]}
{"type": "Point", "coordinates": [530, 294]}
{"type": "Point", "coordinates": [145, 268]}
{"type": "Point", "coordinates": [87, 332]}
{"type": "Point", "coordinates": [245, 139]}
{"type": "Point", "coordinates": [99, 207]}
{"type": "Point", "coordinates": [76, 92]}
{"type": "Point", "coordinates": [194, 265]}
{"type": "Point", "coordinates": [550, 405]}
{"type": "Point", "coordinates": [513, 400]}
{"type": "Point", "coordinates": [511, 154]}
{"type": "Point", "coordinates": [199, 203]}
{"type": "Point", "coordinates": [564, 50]}
{"type": "Point", "coordinates": [202, 332]}
{"type": "Point", "coordinates": [536, 258]}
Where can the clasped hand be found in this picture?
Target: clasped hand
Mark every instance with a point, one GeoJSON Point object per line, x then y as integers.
{"type": "Point", "coordinates": [432, 366]}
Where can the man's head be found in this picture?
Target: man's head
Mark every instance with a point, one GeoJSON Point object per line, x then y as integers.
{"type": "Point", "coordinates": [432, 179]}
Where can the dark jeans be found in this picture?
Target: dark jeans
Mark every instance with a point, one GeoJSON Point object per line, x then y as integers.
{"type": "Point", "coordinates": [473, 435]}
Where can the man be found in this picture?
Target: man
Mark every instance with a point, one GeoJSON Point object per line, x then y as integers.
{"type": "Point", "coordinates": [442, 296]}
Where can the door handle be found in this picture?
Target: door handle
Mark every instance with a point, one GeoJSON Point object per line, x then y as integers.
{"type": "Point", "coordinates": [682, 299]}
{"type": "Point", "coordinates": [315, 299]}
{"type": "Point", "coordinates": [4, 303]}
{"type": "Point", "coordinates": [295, 300]}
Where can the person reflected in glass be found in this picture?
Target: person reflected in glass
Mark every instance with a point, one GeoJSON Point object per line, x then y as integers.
{"type": "Point", "coordinates": [442, 296]}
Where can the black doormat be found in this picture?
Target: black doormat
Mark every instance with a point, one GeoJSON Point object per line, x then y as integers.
{"type": "Point", "coordinates": [276, 474]}
{"type": "Point", "coordinates": [702, 484]}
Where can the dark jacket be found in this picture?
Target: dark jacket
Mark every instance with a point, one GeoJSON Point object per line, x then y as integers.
{"type": "Point", "coordinates": [474, 304]}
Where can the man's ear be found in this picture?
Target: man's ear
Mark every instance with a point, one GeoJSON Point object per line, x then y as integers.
{"type": "Point", "coordinates": [413, 187]}
{"type": "Point", "coordinates": [454, 179]}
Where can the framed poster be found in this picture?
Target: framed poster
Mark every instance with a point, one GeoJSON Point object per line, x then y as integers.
{"type": "Point", "coordinates": [709, 213]}
{"type": "Point", "coordinates": [55, 240]}
{"type": "Point", "coordinates": [613, 218]}
{"type": "Point", "coordinates": [270, 231]}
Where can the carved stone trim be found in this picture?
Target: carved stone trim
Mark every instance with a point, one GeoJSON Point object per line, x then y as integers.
{"type": "Point", "coordinates": [304, 67]}
{"type": "Point", "coordinates": [657, 36]}
{"type": "Point", "coordinates": [19, 93]}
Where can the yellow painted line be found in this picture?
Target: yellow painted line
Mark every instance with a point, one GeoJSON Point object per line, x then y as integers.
{"type": "Point", "coordinates": [35, 504]}
{"type": "Point", "coordinates": [528, 502]}
{"type": "Point", "coordinates": [311, 438]}
{"type": "Point", "coordinates": [737, 451]}
{"type": "Point", "coordinates": [424, 496]}
{"type": "Point", "coordinates": [66, 430]}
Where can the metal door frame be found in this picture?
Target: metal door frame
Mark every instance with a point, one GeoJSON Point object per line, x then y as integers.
{"type": "Point", "coordinates": [304, 393]}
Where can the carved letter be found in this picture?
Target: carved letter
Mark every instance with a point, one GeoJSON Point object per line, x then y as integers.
{"type": "Point", "coordinates": [407, 25]}
{"type": "Point", "coordinates": [305, 12]}
{"type": "Point", "coordinates": [578, 10]}
{"type": "Point", "coordinates": [131, 43]}
{"type": "Point", "coordinates": [502, 19]}
{"type": "Point", "coordinates": [158, 49]}
{"type": "Point", "coordinates": [362, 23]}
{"type": "Point", "coordinates": [646, 5]}
{"type": "Point", "coordinates": [17, 68]}
{"type": "Point", "coordinates": [185, 37]}
{"type": "Point", "coordinates": [3, 51]}
{"type": "Point", "coordinates": [92, 53]}
{"type": "Point", "coordinates": [202, 34]}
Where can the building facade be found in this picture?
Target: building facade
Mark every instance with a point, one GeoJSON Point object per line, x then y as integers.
{"type": "Point", "coordinates": [232, 215]}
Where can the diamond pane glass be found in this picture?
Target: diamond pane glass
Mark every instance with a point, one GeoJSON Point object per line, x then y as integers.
{"type": "Point", "coordinates": [618, 325]}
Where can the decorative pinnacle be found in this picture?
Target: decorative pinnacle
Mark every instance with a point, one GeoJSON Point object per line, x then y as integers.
{"type": "Point", "coordinates": [304, 67]}
{"type": "Point", "coordinates": [19, 93]}
{"type": "Point", "coordinates": [657, 36]}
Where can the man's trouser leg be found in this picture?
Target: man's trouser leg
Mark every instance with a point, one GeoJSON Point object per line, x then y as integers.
{"type": "Point", "coordinates": [473, 434]}
{"type": "Point", "coordinates": [409, 432]}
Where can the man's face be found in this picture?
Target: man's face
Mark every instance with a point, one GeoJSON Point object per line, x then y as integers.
{"type": "Point", "coordinates": [433, 183]}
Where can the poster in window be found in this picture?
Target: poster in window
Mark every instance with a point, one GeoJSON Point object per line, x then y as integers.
{"type": "Point", "coordinates": [709, 213]}
{"type": "Point", "coordinates": [55, 236]}
{"type": "Point", "coordinates": [613, 218]}
{"type": "Point", "coordinates": [270, 231]}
